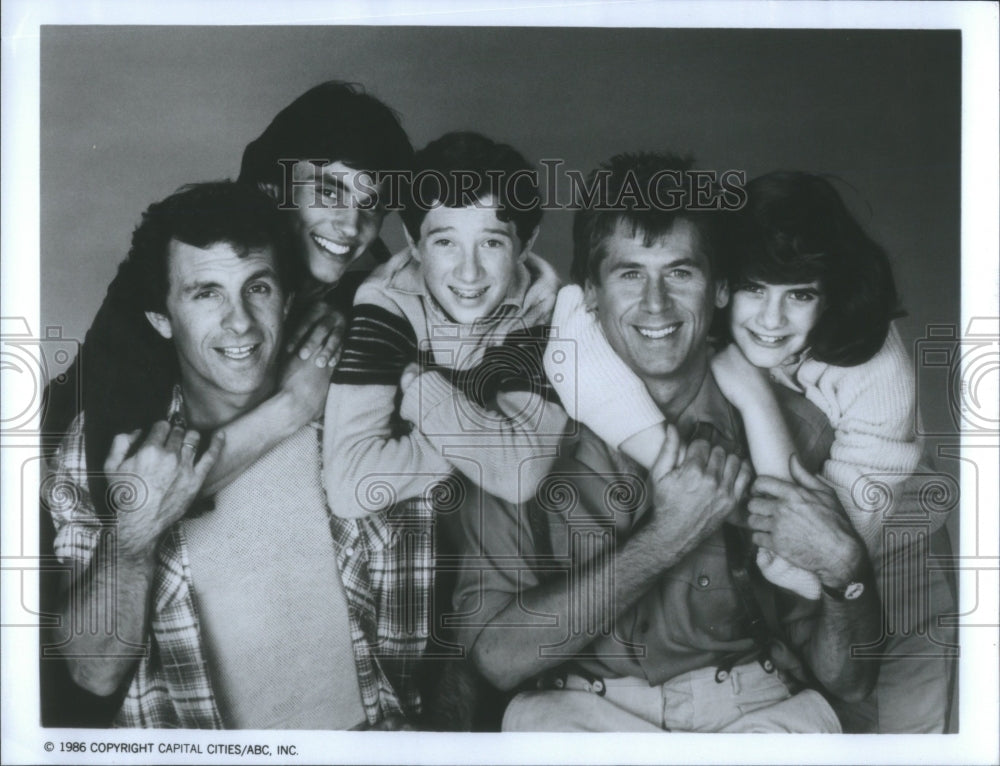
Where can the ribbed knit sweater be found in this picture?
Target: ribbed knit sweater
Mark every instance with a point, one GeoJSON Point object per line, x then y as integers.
{"type": "Point", "coordinates": [273, 611]}
{"type": "Point", "coordinates": [876, 450]}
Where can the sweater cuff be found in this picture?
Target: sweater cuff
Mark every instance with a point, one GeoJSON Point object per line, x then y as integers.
{"type": "Point", "coordinates": [623, 417]}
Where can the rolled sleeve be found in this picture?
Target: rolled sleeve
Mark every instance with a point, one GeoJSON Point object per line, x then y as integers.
{"type": "Point", "coordinates": [66, 496]}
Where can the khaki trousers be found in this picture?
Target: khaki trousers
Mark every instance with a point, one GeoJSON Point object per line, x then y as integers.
{"type": "Point", "coordinates": [748, 699]}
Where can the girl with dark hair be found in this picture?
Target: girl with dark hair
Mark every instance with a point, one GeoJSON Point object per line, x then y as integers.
{"type": "Point", "coordinates": [812, 300]}
{"type": "Point", "coordinates": [812, 304]}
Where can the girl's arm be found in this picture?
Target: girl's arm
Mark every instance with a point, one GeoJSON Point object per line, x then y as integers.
{"type": "Point", "coordinates": [771, 447]}
{"type": "Point", "coordinates": [748, 390]}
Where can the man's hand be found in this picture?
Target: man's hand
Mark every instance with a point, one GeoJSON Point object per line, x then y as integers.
{"type": "Point", "coordinates": [802, 521]}
{"type": "Point", "coordinates": [169, 480]}
{"type": "Point", "coordinates": [694, 489]}
{"type": "Point", "coordinates": [319, 336]}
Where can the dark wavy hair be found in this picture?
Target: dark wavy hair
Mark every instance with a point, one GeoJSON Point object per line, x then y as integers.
{"type": "Point", "coordinates": [334, 121]}
{"type": "Point", "coordinates": [796, 228]}
{"type": "Point", "coordinates": [201, 215]}
{"type": "Point", "coordinates": [126, 371]}
{"type": "Point", "coordinates": [462, 168]}
{"type": "Point", "coordinates": [633, 180]}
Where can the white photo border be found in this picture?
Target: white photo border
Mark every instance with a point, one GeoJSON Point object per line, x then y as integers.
{"type": "Point", "coordinates": [24, 741]}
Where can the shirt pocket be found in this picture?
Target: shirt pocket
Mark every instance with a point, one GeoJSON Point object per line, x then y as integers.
{"type": "Point", "coordinates": [701, 601]}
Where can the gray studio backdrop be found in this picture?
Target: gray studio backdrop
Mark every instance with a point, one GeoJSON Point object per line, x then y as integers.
{"type": "Point", "coordinates": [130, 113]}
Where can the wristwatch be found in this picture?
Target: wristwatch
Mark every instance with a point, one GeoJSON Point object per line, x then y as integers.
{"type": "Point", "coordinates": [853, 590]}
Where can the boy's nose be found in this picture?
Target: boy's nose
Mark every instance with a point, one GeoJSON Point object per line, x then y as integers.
{"type": "Point", "coordinates": [469, 267]}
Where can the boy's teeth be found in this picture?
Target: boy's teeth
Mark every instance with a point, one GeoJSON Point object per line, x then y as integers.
{"type": "Point", "coordinates": [469, 294]}
{"type": "Point", "coordinates": [657, 334]}
{"type": "Point", "coordinates": [330, 245]}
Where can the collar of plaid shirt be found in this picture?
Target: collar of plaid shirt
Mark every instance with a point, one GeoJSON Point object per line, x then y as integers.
{"type": "Point", "coordinates": [386, 564]}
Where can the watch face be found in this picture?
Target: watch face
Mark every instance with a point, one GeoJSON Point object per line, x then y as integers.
{"type": "Point", "coordinates": [854, 590]}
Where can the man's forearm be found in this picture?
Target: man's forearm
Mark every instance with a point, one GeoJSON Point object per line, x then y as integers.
{"type": "Point", "coordinates": [507, 652]}
{"type": "Point", "coordinates": [104, 618]}
{"type": "Point", "coordinates": [844, 624]}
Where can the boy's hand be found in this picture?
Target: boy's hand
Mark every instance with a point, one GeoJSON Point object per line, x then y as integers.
{"type": "Point", "coordinates": [305, 383]}
{"type": "Point", "coordinates": [410, 373]}
{"type": "Point", "coordinates": [319, 335]}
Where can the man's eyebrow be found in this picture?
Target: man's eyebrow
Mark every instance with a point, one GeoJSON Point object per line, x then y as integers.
{"type": "Point", "coordinates": [194, 287]}
{"type": "Point", "coordinates": [265, 273]}
{"type": "Point", "coordinates": [502, 232]}
{"type": "Point", "coordinates": [638, 264]}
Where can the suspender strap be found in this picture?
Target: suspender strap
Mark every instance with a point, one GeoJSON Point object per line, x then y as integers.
{"type": "Point", "coordinates": [738, 556]}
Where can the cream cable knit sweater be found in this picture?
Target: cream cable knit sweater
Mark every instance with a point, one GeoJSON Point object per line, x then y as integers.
{"type": "Point", "coordinates": [876, 450]}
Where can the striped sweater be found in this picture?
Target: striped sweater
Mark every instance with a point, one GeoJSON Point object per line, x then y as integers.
{"type": "Point", "coordinates": [480, 403]}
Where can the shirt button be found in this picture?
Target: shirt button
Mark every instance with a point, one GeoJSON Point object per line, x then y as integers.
{"type": "Point", "coordinates": [704, 581]}
{"type": "Point", "coordinates": [349, 550]}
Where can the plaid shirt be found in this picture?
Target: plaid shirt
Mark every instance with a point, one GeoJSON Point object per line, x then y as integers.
{"type": "Point", "coordinates": [385, 562]}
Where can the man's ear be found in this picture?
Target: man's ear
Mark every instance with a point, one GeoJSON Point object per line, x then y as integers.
{"type": "Point", "coordinates": [721, 294]}
{"type": "Point", "coordinates": [528, 245]}
{"type": "Point", "coordinates": [590, 296]}
{"type": "Point", "coordinates": [414, 250]}
{"type": "Point", "coordinates": [289, 300]}
{"type": "Point", "coordinates": [161, 323]}
{"type": "Point", "coordinates": [271, 190]}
